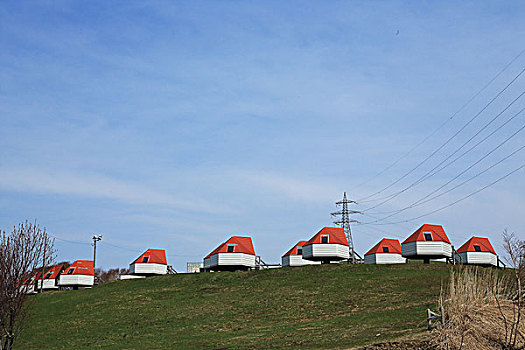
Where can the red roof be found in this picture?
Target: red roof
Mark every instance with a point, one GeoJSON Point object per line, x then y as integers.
{"type": "Point", "coordinates": [392, 246]}
{"type": "Point", "coordinates": [336, 235]}
{"type": "Point", "coordinates": [154, 256]}
{"type": "Point", "coordinates": [240, 245]}
{"type": "Point", "coordinates": [483, 243]}
{"type": "Point", "coordinates": [293, 250]}
{"type": "Point", "coordinates": [80, 267]}
{"type": "Point", "coordinates": [437, 231]}
{"type": "Point", "coordinates": [55, 271]}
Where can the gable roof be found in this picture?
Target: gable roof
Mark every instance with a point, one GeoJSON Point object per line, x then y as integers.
{"type": "Point", "coordinates": [293, 250]}
{"type": "Point", "coordinates": [55, 271]}
{"type": "Point", "coordinates": [336, 235]}
{"type": "Point", "coordinates": [483, 243]}
{"type": "Point", "coordinates": [438, 234]}
{"type": "Point", "coordinates": [81, 267]}
{"type": "Point", "coordinates": [155, 256]}
{"type": "Point", "coordinates": [240, 245]}
{"type": "Point", "coordinates": [393, 247]}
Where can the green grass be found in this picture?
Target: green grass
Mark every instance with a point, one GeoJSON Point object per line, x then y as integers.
{"type": "Point", "coordinates": [328, 306]}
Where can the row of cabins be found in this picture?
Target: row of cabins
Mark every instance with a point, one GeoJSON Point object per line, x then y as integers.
{"type": "Point", "coordinates": [326, 246]}
{"type": "Point", "coordinates": [427, 243]}
{"type": "Point", "coordinates": [81, 274]}
{"type": "Point", "coordinates": [431, 242]}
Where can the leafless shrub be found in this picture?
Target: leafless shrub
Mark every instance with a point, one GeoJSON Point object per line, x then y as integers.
{"type": "Point", "coordinates": [483, 307]}
{"type": "Point", "coordinates": [111, 274]}
{"type": "Point", "coordinates": [21, 251]}
{"type": "Point", "coordinates": [515, 250]}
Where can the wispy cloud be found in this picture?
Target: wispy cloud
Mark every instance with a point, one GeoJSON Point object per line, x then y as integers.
{"type": "Point", "coordinates": [38, 180]}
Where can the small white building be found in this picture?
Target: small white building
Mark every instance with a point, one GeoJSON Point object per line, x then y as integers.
{"type": "Point", "coordinates": [477, 251]}
{"type": "Point", "coordinates": [294, 257]}
{"type": "Point", "coordinates": [80, 274]}
{"type": "Point", "coordinates": [387, 251]}
{"type": "Point", "coordinates": [194, 267]}
{"type": "Point", "coordinates": [151, 262]}
{"type": "Point", "coordinates": [237, 253]}
{"type": "Point", "coordinates": [329, 244]}
{"type": "Point", "coordinates": [428, 242]}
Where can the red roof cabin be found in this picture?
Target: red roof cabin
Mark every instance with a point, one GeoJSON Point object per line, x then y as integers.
{"type": "Point", "coordinates": [80, 274]}
{"type": "Point", "coordinates": [236, 253]}
{"type": "Point", "coordinates": [28, 286]}
{"type": "Point", "coordinates": [329, 244]}
{"type": "Point", "coordinates": [428, 242]}
{"type": "Point", "coordinates": [387, 251]}
{"type": "Point", "coordinates": [151, 262]}
{"type": "Point", "coordinates": [477, 251]}
{"type": "Point", "coordinates": [294, 257]}
{"type": "Point", "coordinates": [51, 278]}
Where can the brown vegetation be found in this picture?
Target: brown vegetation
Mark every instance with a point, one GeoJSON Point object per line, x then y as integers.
{"type": "Point", "coordinates": [483, 307]}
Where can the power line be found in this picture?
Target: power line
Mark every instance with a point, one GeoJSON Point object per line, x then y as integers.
{"type": "Point", "coordinates": [457, 201]}
{"type": "Point", "coordinates": [366, 199]}
{"type": "Point", "coordinates": [422, 201]}
{"type": "Point", "coordinates": [443, 124]}
{"type": "Point", "coordinates": [478, 161]}
{"type": "Point", "coordinates": [433, 171]}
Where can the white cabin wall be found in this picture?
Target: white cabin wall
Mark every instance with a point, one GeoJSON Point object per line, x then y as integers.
{"type": "Point", "coordinates": [321, 250]}
{"type": "Point", "coordinates": [370, 259]}
{"type": "Point", "coordinates": [236, 259]}
{"type": "Point", "coordinates": [384, 258]}
{"type": "Point", "coordinates": [297, 260]}
{"type": "Point", "coordinates": [211, 261]}
{"type": "Point", "coordinates": [482, 258]}
{"type": "Point", "coordinates": [426, 248]}
{"type": "Point", "coordinates": [148, 268]}
{"type": "Point", "coordinates": [230, 259]}
{"type": "Point", "coordinates": [76, 280]}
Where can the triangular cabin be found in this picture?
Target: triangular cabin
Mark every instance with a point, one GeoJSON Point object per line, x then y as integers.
{"type": "Point", "coordinates": [151, 262]}
{"type": "Point", "coordinates": [80, 274]}
{"type": "Point", "coordinates": [329, 244]}
{"type": "Point", "coordinates": [387, 251]}
{"type": "Point", "coordinates": [51, 277]}
{"type": "Point", "coordinates": [428, 242]}
{"type": "Point", "coordinates": [477, 251]}
{"type": "Point", "coordinates": [236, 253]}
{"type": "Point", "coordinates": [294, 257]}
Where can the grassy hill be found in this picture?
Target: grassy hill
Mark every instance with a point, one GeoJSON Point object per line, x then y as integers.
{"type": "Point", "coordinates": [328, 306]}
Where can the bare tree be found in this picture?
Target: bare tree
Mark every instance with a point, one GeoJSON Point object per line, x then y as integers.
{"type": "Point", "coordinates": [515, 250]}
{"type": "Point", "coordinates": [21, 252]}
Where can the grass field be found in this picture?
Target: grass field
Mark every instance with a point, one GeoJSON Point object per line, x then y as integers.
{"type": "Point", "coordinates": [318, 307]}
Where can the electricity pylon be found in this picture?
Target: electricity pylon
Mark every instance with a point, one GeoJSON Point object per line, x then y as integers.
{"type": "Point", "coordinates": [344, 221]}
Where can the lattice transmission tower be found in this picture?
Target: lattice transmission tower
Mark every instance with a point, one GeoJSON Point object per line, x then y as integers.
{"type": "Point", "coordinates": [344, 220]}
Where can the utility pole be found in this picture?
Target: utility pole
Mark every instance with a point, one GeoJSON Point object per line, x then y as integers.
{"type": "Point", "coordinates": [344, 220]}
{"type": "Point", "coordinates": [95, 240]}
{"type": "Point", "coordinates": [41, 290]}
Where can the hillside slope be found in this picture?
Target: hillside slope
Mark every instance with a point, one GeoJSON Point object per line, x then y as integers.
{"type": "Point", "coordinates": [323, 306]}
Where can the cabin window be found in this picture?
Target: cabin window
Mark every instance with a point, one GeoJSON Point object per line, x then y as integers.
{"type": "Point", "coordinates": [324, 239]}
{"type": "Point", "coordinates": [385, 249]}
{"type": "Point", "coordinates": [48, 275]}
{"type": "Point", "coordinates": [230, 248]}
{"type": "Point", "coordinates": [428, 236]}
{"type": "Point", "coordinates": [71, 271]}
{"type": "Point", "coordinates": [477, 248]}
{"type": "Point", "coordinates": [145, 259]}
{"type": "Point", "coordinates": [299, 250]}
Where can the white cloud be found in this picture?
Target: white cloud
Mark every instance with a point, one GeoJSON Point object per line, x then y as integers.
{"type": "Point", "coordinates": [38, 180]}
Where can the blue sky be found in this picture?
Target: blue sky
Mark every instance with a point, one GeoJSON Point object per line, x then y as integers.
{"type": "Point", "coordinates": [178, 124]}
